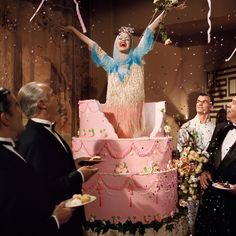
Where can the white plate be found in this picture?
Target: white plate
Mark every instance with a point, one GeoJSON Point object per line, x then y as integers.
{"type": "Point", "coordinates": [90, 162]}
{"type": "Point", "coordinates": [219, 186]}
{"type": "Point", "coordinates": [76, 202]}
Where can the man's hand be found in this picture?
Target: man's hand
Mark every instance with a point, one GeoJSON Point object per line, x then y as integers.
{"type": "Point", "coordinates": [205, 178]}
{"type": "Point", "coordinates": [62, 213]}
{"type": "Point", "coordinates": [88, 171]}
{"type": "Point", "coordinates": [88, 161]}
{"type": "Point", "coordinates": [233, 189]}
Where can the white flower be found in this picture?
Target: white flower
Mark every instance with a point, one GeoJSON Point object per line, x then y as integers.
{"type": "Point", "coordinates": [167, 129]}
{"type": "Point", "coordinates": [189, 199]}
{"type": "Point", "coordinates": [168, 41]}
{"type": "Point", "coordinates": [183, 203]}
{"type": "Point", "coordinates": [182, 187]}
{"type": "Point", "coordinates": [174, 2]}
{"type": "Point", "coordinates": [193, 179]}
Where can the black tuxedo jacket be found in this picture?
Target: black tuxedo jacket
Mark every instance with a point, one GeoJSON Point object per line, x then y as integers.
{"type": "Point", "coordinates": [222, 170]}
{"type": "Point", "coordinates": [49, 159]}
{"type": "Point", "coordinates": [24, 206]}
{"type": "Point", "coordinates": [217, 210]}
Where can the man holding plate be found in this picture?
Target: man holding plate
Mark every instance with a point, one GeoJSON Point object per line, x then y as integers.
{"type": "Point", "coordinates": [25, 207]}
{"type": "Point", "coordinates": [47, 152]}
{"type": "Point", "coordinates": [217, 210]}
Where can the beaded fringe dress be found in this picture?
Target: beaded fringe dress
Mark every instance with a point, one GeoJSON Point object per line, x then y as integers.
{"type": "Point", "coordinates": [125, 86]}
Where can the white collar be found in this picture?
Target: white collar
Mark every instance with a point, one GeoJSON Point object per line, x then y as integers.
{"type": "Point", "coordinates": [8, 140]}
{"type": "Point", "coordinates": [42, 121]}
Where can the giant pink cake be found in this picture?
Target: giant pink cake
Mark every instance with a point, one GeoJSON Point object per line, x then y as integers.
{"type": "Point", "coordinates": [135, 180]}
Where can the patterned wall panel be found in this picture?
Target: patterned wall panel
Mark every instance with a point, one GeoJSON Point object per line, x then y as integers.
{"type": "Point", "coordinates": [221, 84]}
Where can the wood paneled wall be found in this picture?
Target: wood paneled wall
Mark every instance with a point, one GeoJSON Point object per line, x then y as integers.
{"type": "Point", "coordinates": [40, 51]}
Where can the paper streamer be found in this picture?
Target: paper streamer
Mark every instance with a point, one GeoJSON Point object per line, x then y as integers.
{"type": "Point", "coordinates": [40, 5]}
{"type": "Point", "coordinates": [80, 17]}
{"type": "Point", "coordinates": [231, 55]}
{"type": "Point", "coordinates": [209, 22]}
{"type": "Point", "coordinates": [77, 11]}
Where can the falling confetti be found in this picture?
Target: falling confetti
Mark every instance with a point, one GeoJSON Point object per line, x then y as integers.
{"type": "Point", "coordinates": [77, 11]}
{"type": "Point", "coordinates": [231, 55]}
{"type": "Point", "coordinates": [209, 22]}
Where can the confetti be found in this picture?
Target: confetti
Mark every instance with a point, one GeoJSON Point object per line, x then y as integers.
{"type": "Point", "coordinates": [77, 11]}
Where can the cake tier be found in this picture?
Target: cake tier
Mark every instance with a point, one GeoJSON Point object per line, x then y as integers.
{"type": "Point", "coordinates": [135, 197]}
{"type": "Point", "coordinates": [134, 181]}
{"type": "Point", "coordinates": [134, 156]}
{"type": "Point", "coordinates": [94, 124]}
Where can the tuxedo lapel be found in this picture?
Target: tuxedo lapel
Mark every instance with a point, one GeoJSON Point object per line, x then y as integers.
{"type": "Point", "coordinates": [54, 142]}
{"type": "Point", "coordinates": [48, 134]}
{"type": "Point", "coordinates": [217, 158]}
{"type": "Point", "coordinates": [229, 158]}
{"type": "Point", "coordinates": [12, 156]}
{"type": "Point", "coordinates": [216, 144]}
{"type": "Point", "coordinates": [64, 143]}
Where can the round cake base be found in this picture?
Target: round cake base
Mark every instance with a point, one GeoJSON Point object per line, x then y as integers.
{"type": "Point", "coordinates": [177, 227]}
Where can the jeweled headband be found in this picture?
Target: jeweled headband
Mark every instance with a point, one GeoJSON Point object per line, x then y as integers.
{"type": "Point", "coordinates": [125, 29]}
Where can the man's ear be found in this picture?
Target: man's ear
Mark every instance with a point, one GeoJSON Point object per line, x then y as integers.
{"type": "Point", "coordinates": [211, 106]}
{"type": "Point", "coordinates": [4, 118]}
{"type": "Point", "coordinates": [41, 105]}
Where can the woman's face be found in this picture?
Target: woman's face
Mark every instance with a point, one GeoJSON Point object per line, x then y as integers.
{"type": "Point", "coordinates": [123, 43]}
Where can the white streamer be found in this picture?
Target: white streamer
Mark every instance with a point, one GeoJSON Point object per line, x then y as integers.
{"type": "Point", "coordinates": [231, 55]}
{"type": "Point", "coordinates": [80, 17]}
{"type": "Point", "coordinates": [77, 11]}
{"type": "Point", "coordinates": [209, 22]}
{"type": "Point", "coordinates": [40, 5]}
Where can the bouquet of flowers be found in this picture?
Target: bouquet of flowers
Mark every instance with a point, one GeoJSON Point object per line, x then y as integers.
{"type": "Point", "coordinates": [167, 5]}
{"type": "Point", "coordinates": [189, 167]}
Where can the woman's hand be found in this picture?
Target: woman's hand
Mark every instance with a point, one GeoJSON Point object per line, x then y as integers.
{"type": "Point", "coordinates": [68, 28]}
{"type": "Point", "coordinates": [81, 36]}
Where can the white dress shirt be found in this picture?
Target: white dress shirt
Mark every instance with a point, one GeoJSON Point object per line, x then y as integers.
{"type": "Point", "coordinates": [203, 133]}
{"type": "Point", "coordinates": [229, 140]}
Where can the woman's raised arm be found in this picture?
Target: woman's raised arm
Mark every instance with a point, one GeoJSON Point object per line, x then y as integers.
{"type": "Point", "coordinates": [154, 25]}
{"type": "Point", "coordinates": [81, 36]}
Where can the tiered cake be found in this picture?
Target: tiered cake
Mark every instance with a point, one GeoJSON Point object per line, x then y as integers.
{"type": "Point", "coordinates": [135, 181]}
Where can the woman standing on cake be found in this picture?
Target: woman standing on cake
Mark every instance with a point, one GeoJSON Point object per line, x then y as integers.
{"type": "Point", "coordinates": [125, 91]}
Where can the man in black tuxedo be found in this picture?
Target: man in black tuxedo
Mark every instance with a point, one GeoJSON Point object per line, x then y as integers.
{"type": "Point", "coordinates": [217, 211]}
{"type": "Point", "coordinates": [47, 151]}
{"type": "Point", "coordinates": [24, 206]}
